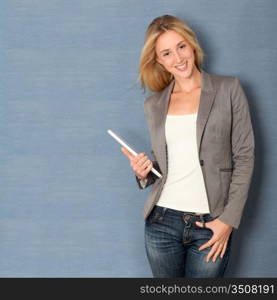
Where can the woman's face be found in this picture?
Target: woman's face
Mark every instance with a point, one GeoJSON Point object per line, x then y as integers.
{"type": "Point", "coordinates": [175, 54]}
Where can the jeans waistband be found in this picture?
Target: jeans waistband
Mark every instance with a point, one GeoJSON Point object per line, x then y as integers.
{"type": "Point", "coordinates": [162, 210]}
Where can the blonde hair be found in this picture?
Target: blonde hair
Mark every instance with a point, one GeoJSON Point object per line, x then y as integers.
{"type": "Point", "coordinates": [152, 75]}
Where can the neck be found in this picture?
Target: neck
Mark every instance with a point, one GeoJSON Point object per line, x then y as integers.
{"type": "Point", "coordinates": [188, 84]}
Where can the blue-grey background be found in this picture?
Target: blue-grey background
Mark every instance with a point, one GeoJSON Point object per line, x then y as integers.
{"type": "Point", "coordinates": [69, 203]}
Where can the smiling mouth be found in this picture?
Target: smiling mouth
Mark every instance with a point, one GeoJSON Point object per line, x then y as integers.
{"type": "Point", "coordinates": [182, 67]}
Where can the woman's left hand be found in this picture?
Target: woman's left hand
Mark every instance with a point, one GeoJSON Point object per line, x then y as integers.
{"type": "Point", "coordinates": [219, 240]}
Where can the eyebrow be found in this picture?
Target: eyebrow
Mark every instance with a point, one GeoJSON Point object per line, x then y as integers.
{"type": "Point", "coordinates": [169, 49]}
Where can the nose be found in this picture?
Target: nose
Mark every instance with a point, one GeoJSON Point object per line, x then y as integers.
{"type": "Point", "coordinates": [178, 58]}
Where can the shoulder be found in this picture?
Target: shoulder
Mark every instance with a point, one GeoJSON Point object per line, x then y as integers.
{"type": "Point", "coordinates": [229, 87]}
{"type": "Point", "coordinates": [148, 100]}
{"type": "Point", "coordinates": [224, 82]}
{"type": "Point", "coordinates": [153, 100]}
{"type": "Point", "coordinates": [155, 95]}
{"type": "Point", "coordinates": [156, 98]}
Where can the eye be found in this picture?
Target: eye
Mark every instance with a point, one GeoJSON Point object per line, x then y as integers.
{"type": "Point", "coordinates": [166, 53]}
{"type": "Point", "coordinates": [182, 46]}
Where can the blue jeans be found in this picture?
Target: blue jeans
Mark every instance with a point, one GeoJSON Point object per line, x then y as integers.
{"type": "Point", "coordinates": [172, 240]}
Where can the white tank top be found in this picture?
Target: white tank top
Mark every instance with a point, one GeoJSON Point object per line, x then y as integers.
{"type": "Point", "coordinates": [184, 188]}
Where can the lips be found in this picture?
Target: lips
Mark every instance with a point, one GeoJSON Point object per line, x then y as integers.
{"type": "Point", "coordinates": [182, 67]}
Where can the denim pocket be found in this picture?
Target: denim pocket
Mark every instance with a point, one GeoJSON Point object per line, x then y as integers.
{"type": "Point", "coordinates": [154, 216]}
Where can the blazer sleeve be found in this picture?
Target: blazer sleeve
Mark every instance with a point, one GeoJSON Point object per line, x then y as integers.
{"type": "Point", "coordinates": [151, 177]}
{"type": "Point", "coordinates": [242, 141]}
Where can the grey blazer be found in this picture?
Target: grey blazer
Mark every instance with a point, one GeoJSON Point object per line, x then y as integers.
{"type": "Point", "coordinates": [225, 142]}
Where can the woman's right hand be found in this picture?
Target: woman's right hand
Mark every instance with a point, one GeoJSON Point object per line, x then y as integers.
{"type": "Point", "coordinates": [140, 164]}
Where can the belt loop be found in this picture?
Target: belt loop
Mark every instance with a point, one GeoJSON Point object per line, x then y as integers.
{"type": "Point", "coordinates": [202, 220]}
{"type": "Point", "coordinates": [163, 212]}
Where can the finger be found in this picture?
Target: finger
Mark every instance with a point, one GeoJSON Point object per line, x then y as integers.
{"type": "Point", "coordinates": [217, 252]}
{"type": "Point", "coordinates": [223, 249]}
{"type": "Point", "coordinates": [138, 161]}
{"type": "Point", "coordinates": [147, 170]}
{"type": "Point", "coordinates": [142, 161]}
{"type": "Point", "coordinates": [205, 225]}
{"type": "Point", "coordinates": [208, 244]}
{"type": "Point", "coordinates": [146, 164]}
{"type": "Point", "coordinates": [137, 158]}
{"type": "Point", "coordinates": [142, 169]}
{"type": "Point", "coordinates": [200, 224]}
{"type": "Point", "coordinates": [127, 153]}
{"type": "Point", "coordinates": [219, 249]}
{"type": "Point", "coordinates": [212, 251]}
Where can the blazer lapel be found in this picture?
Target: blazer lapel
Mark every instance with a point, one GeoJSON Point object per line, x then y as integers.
{"type": "Point", "coordinates": [207, 97]}
{"type": "Point", "coordinates": [160, 112]}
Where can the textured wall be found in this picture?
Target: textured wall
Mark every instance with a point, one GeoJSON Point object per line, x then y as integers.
{"type": "Point", "coordinates": [69, 203]}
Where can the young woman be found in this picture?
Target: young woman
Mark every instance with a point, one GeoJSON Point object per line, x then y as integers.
{"type": "Point", "coordinates": [203, 145]}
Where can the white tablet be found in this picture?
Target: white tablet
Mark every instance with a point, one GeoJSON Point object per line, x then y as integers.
{"type": "Point", "coordinates": [125, 145]}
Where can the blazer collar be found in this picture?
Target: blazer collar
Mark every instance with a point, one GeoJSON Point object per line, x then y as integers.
{"type": "Point", "coordinates": [161, 108]}
{"type": "Point", "coordinates": [206, 86]}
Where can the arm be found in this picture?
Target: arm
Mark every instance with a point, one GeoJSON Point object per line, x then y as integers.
{"type": "Point", "coordinates": [151, 177]}
{"type": "Point", "coordinates": [242, 140]}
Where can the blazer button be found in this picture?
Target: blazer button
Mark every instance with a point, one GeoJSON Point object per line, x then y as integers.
{"type": "Point", "coordinates": [201, 162]}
